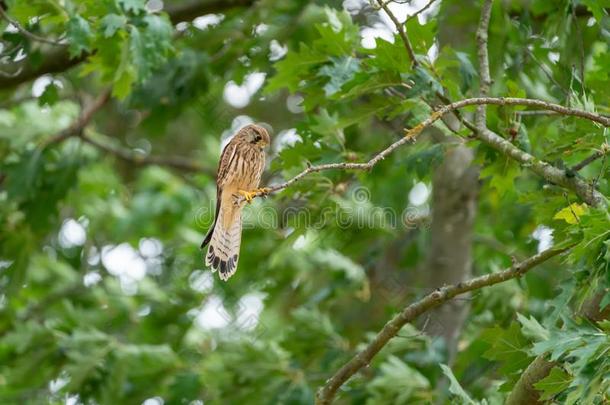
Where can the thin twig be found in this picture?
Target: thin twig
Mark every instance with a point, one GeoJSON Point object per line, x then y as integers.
{"type": "Point", "coordinates": [77, 127]}
{"type": "Point", "coordinates": [401, 31]}
{"type": "Point", "coordinates": [405, 39]}
{"type": "Point", "coordinates": [175, 162]}
{"type": "Point", "coordinates": [457, 113]}
{"type": "Point", "coordinates": [27, 33]}
{"type": "Point", "coordinates": [434, 299]}
{"type": "Point", "coordinates": [421, 10]}
{"type": "Point", "coordinates": [546, 72]}
{"type": "Point", "coordinates": [397, 1]}
{"type": "Point", "coordinates": [543, 169]}
{"type": "Point", "coordinates": [498, 246]}
{"type": "Point", "coordinates": [592, 158]}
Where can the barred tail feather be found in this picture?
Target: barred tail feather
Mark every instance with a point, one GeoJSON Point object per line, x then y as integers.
{"type": "Point", "coordinates": [223, 252]}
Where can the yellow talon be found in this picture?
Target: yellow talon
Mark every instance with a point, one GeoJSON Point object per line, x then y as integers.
{"type": "Point", "coordinates": [248, 195]}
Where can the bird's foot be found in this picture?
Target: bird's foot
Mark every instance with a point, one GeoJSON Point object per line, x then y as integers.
{"type": "Point", "coordinates": [248, 195]}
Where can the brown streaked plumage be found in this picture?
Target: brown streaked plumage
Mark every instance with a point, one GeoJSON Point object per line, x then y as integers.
{"type": "Point", "coordinates": [239, 172]}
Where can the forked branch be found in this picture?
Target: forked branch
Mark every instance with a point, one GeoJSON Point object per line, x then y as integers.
{"type": "Point", "coordinates": [543, 169]}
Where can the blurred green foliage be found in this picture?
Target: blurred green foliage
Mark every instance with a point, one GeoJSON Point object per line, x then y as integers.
{"type": "Point", "coordinates": [103, 294]}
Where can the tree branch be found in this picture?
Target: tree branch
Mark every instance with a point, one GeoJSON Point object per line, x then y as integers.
{"type": "Point", "coordinates": [592, 158]}
{"type": "Point", "coordinates": [524, 392]}
{"type": "Point", "coordinates": [434, 299]}
{"type": "Point", "coordinates": [58, 60]}
{"type": "Point", "coordinates": [407, 43]}
{"type": "Point", "coordinates": [175, 162]}
{"type": "Point", "coordinates": [27, 33]}
{"type": "Point", "coordinates": [421, 10]}
{"type": "Point", "coordinates": [401, 31]}
{"type": "Point", "coordinates": [77, 127]}
{"type": "Point", "coordinates": [53, 61]}
{"type": "Point", "coordinates": [552, 174]}
{"type": "Point", "coordinates": [543, 169]}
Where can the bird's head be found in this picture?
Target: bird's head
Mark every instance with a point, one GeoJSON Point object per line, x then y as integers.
{"type": "Point", "coordinates": [256, 135]}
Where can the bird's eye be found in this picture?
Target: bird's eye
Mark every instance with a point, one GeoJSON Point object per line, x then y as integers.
{"type": "Point", "coordinates": [258, 137]}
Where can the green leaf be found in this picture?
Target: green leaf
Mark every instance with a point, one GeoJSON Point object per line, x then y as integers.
{"type": "Point", "coordinates": [558, 344]}
{"type": "Point", "coordinates": [147, 359]}
{"type": "Point", "coordinates": [325, 123]}
{"type": "Point", "coordinates": [508, 346]}
{"type": "Point", "coordinates": [125, 75]}
{"type": "Point", "coordinates": [362, 113]}
{"type": "Point", "coordinates": [111, 23]}
{"type": "Point", "coordinates": [515, 90]}
{"type": "Point", "coordinates": [79, 35]}
{"type": "Point", "coordinates": [340, 72]}
{"type": "Point", "coordinates": [390, 56]}
{"type": "Point", "coordinates": [422, 36]}
{"type": "Point", "coordinates": [595, 227]}
{"type": "Point", "coordinates": [455, 388]}
{"type": "Point", "coordinates": [363, 83]}
{"type": "Point", "coordinates": [502, 172]}
{"type": "Point", "coordinates": [422, 82]}
{"type": "Point", "coordinates": [416, 108]}
{"type": "Point", "coordinates": [186, 386]}
{"type": "Point", "coordinates": [123, 82]}
{"type": "Point", "coordinates": [23, 10]}
{"type": "Point", "coordinates": [134, 6]}
{"type": "Point", "coordinates": [339, 36]}
{"type": "Point", "coordinates": [158, 29]}
{"type": "Point", "coordinates": [397, 382]}
{"type": "Point", "coordinates": [422, 162]}
{"type": "Point", "coordinates": [554, 383]}
{"type": "Point", "coordinates": [572, 213]}
{"type": "Point", "coordinates": [50, 95]}
{"type": "Point", "coordinates": [467, 71]}
{"type": "Point", "coordinates": [292, 69]}
{"type": "Point", "coordinates": [150, 46]}
{"type": "Point", "coordinates": [532, 328]}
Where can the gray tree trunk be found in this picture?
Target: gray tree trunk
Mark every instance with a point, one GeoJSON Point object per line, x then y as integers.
{"type": "Point", "coordinates": [449, 260]}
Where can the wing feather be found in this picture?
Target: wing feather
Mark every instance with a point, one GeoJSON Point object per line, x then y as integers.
{"type": "Point", "coordinates": [226, 159]}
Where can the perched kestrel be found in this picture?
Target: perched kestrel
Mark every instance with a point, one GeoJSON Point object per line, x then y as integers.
{"type": "Point", "coordinates": [239, 172]}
